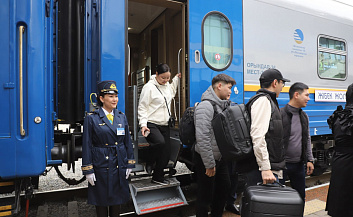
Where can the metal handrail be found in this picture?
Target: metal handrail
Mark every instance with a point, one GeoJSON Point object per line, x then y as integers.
{"type": "Point", "coordinates": [179, 82]}
{"type": "Point", "coordinates": [21, 31]}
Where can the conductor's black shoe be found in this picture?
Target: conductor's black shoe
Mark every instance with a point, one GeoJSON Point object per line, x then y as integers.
{"type": "Point", "coordinates": [148, 169]}
{"type": "Point", "coordinates": [232, 208]}
{"type": "Point", "coordinates": [160, 181]}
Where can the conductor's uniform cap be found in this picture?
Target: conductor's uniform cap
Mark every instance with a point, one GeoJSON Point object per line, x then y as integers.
{"type": "Point", "coordinates": [107, 86]}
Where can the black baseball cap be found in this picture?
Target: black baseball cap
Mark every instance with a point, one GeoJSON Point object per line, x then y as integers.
{"type": "Point", "coordinates": [272, 74]}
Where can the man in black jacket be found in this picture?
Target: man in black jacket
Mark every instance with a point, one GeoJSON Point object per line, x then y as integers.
{"type": "Point", "coordinates": [296, 138]}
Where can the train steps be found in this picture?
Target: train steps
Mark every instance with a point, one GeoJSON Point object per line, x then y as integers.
{"type": "Point", "coordinates": [150, 197]}
{"type": "Point", "coordinates": [7, 206]}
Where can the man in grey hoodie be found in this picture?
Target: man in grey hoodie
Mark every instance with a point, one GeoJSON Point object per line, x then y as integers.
{"type": "Point", "coordinates": [211, 170]}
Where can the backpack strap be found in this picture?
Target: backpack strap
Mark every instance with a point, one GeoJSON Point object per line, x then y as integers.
{"type": "Point", "coordinates": [254, 98]}
{"type": "Point", "coordinates": [214, 107]}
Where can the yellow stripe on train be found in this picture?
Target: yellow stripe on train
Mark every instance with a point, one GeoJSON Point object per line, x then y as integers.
{"type": "Point", "coordinates": [253, 87]}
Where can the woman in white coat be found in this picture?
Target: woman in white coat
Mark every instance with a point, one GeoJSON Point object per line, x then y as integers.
{"type": "Point", "coordinates": [154, 114]}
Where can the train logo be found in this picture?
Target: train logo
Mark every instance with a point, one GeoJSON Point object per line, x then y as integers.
{"type": "Point", "coordinates": [298, 36]}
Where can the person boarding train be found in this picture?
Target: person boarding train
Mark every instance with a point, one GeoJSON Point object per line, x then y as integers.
{"type": "Point", "coordinates": [107, 153]}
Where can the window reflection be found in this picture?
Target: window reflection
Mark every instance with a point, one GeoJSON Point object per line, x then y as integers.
{"type": "Point", "coordinates": [217, 41]}
{"type": "Point", "coordinates": [332, 58]}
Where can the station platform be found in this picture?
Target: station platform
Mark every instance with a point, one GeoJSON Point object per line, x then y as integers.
{"type": "Point", "coordinates": [315, 202]}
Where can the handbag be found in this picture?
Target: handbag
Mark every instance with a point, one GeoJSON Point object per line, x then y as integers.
{"type": "Point", "coordinates": [171, 121]}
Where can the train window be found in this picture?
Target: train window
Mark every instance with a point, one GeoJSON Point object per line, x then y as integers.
{"type": "Point", "coordinates": [332, 55]}
{"type": "Point", "coordinates": [217, 41]}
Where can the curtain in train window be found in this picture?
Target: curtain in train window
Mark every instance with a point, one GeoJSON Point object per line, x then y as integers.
{"type": "Point", "coordinates": [332, 58]}
{"type": "Point", "coordinates": [217, 41]}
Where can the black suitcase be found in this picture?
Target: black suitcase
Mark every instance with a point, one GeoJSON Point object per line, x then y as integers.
{"type": "Point", "coordinates": [271, 201]}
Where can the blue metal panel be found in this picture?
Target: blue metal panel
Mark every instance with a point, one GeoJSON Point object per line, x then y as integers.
{"type": "Point", "coordinates": [24, 155]}
{"type": "Point", "coordinates": [50, 115]}
{"type": "Point", "coordinates": [200, 74]}
{"type": "Point", "coordinates": [5, 69]}
{"type": "Point", "coordinates": [318, 112]}
{"type": "Point", "coordinates": [112, 45]}
{"type": "Point", "coordinates": [7, 148]}
{"type": "Point", "coordinates": [88, 85]}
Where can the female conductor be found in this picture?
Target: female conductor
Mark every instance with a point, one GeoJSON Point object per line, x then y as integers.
{"type": "Point", "coordinates": [107, 153]}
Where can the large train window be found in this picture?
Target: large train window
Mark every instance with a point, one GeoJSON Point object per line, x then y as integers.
{"type": "Point", "coordinates": [332, 58]}
{"type": "Point", "coordinates": [217, 41]}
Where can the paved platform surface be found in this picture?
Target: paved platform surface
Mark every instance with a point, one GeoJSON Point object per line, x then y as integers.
{"type": "Point", "coordinates": [316, 201]}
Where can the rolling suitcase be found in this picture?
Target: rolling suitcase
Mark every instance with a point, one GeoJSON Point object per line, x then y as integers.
{"type": "Point", "coordinates": [271, 201]}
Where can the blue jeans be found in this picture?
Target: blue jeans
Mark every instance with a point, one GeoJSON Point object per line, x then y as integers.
{"type": "Point", "coordinates": [296, 175]}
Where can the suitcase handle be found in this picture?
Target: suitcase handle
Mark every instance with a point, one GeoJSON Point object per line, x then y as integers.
{"type": "Point", "coordinates": [275, 184]}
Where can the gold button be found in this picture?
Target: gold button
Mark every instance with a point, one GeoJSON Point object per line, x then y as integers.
{"type": "Point", "coordinates": [106, 144]}
{"type": "Point", "coordinates": [107, 168]}
{"type": "Point", "coordinates": [116, 143]}
{"type": "Point", "coordinates": [107, 157]}
{"type": "Point", "coordinates": [117, 166]}
{"type": "Point", "coordinates": [116, 155]}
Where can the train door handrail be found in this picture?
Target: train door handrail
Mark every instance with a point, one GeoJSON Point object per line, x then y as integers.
{"type": "Point", "coordinates": [21, 31]}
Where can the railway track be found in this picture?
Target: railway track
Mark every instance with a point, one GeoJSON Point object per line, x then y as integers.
{"type": "Point", "coordinates": [71, 202]}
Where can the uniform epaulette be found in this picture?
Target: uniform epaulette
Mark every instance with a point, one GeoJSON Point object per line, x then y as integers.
{"type": "Point", "coordinates": [92, 112]}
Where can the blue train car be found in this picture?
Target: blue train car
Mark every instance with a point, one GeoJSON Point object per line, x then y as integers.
{"type": "Point", "coordinates": [53, 53]}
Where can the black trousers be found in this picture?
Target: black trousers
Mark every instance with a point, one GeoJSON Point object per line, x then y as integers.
{"type": "Point", "coordinates": [296, 174]}
{"type": "Point", "coordinates": [212, 191]}
{"type": "Point", "coordinates": [102, 211]}
{"type": "Point", "coordinates": [159, 152]}
{"type": "Point", "coordinates": [233, 175]}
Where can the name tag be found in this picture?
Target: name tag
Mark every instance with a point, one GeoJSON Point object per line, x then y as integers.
{"type": "Point", "coordinates": [120, 131]}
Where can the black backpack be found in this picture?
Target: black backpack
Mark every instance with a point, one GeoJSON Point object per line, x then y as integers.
{"type": "Point", "coordinates": [231, 128]}
{"type": "Point", "coordinates": [232, 131]}
{"type": "Point", "coordinates": [187, 127]}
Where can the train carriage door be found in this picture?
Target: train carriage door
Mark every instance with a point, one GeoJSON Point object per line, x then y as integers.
{"type": "Point", "coordinates": [215, 45]}
{"type": "Point", "coordinates": [156, 34]}
{"type": "Point", "coordinates": [22, 87]}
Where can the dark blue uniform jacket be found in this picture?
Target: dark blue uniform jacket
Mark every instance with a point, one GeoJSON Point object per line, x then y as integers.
{"type": "Point", "coordinates": [107, 155]}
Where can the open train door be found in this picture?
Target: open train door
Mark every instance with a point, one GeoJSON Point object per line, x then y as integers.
{"type": "Point", "coordinates": [215, 45]}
